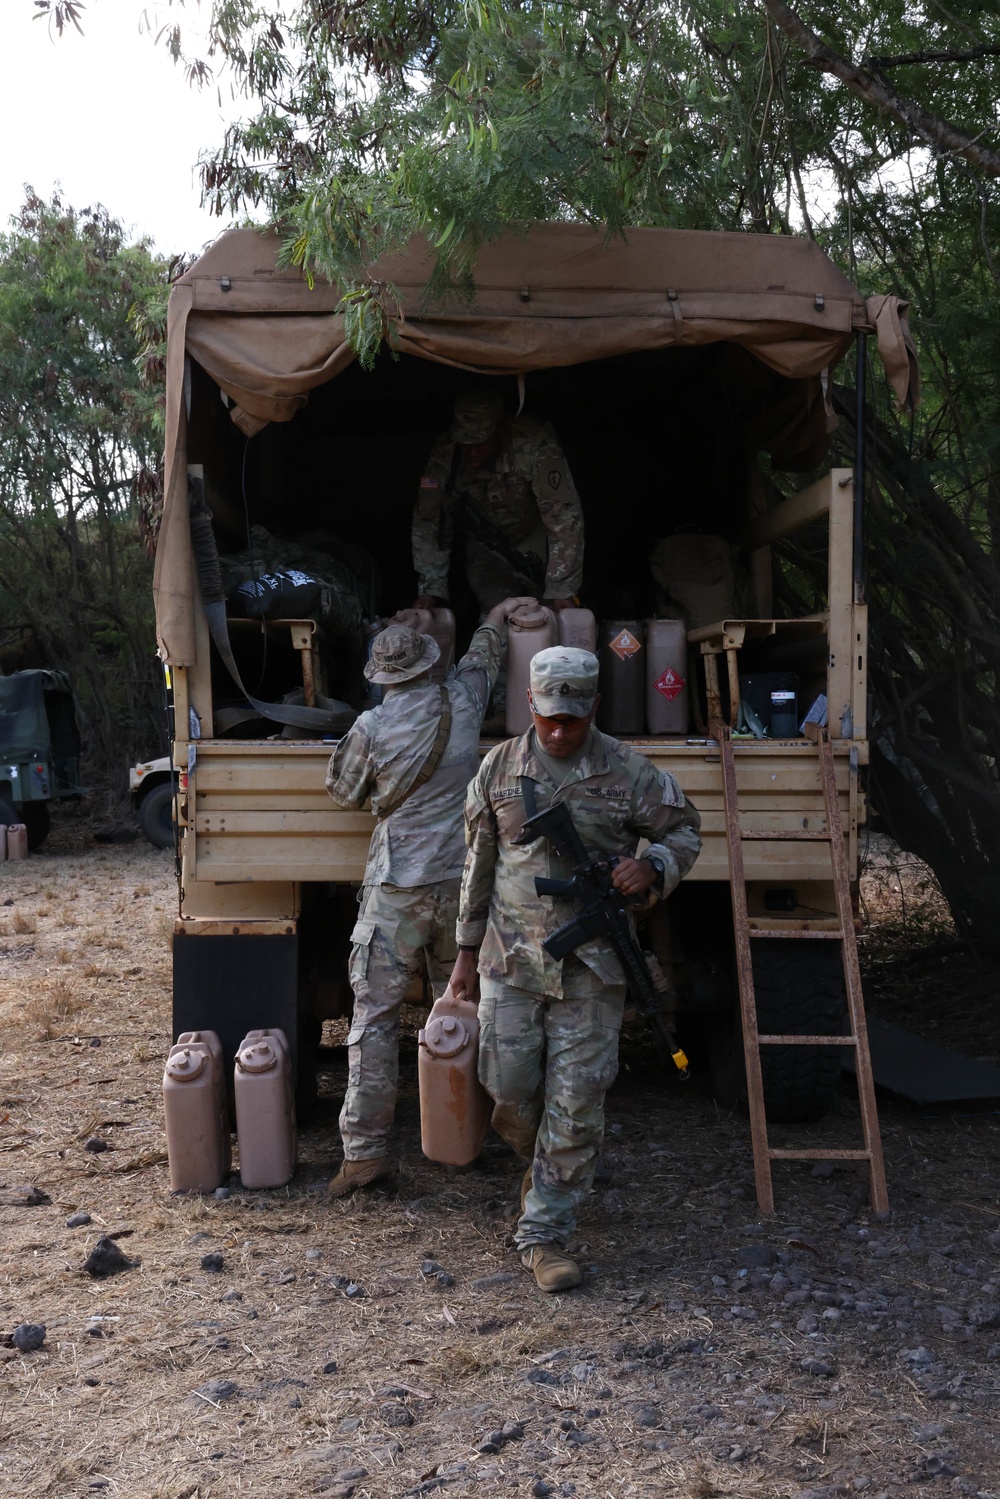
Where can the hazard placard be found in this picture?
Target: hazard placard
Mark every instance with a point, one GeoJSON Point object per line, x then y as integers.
{"type": "Point", "coordinates": [625, 644]}
{"type": "Point", "coordinates": [671, 684]}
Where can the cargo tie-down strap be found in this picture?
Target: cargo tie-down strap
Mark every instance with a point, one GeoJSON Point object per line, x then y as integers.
{"type": "Point", "coordinates": [335, 720]}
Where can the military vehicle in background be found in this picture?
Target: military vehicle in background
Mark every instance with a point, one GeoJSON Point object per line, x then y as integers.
{"type": "Point", "coordinates": [152, 785]}
{"type": "Point", "coordinates": [682, 372]}
{"type": "Point", "coordinates": [39, 749]}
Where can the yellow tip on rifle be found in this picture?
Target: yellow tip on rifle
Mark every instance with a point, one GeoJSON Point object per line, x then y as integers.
{"type": "Point", "coordinates": [680, 1062]}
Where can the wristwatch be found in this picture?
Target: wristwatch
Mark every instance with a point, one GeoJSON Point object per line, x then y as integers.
{"type": "Point", "coordinates": [660, 868]}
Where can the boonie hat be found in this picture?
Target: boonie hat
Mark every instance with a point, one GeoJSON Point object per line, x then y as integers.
{"type": "Point", "coordinates": [478, 414]}
{"type": "Point", "coordinates": [399, 653]}
{"type": "Point", "coordinates": [563, 679]}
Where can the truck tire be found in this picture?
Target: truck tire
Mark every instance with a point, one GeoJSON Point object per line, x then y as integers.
{"type": "Point", "coordinates": [800, 991]}
{"type": "Point", "coordinates": [156, 815]}
{"type": "Point", "coordinates": [8, 814]}
{"type": "Point", "coordinates": [37, 820]}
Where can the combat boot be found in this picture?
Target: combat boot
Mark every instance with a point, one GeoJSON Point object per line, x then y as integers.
{"type": "Point", "coordinates": [552, 1267]}
{"type": "Point", "coordinates": [355, 1174]}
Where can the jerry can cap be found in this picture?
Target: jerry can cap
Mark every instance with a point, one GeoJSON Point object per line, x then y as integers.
{"type": "Point", "coordinates": [184, 1065]}
{"type": "Point", "coordinates": [260, 1057]}
{"type": "Point", "coordinates": [445, 1035]}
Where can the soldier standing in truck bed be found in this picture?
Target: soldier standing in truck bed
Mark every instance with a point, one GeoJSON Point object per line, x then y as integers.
{"type": "Point", "coordinates": [414, 756]}
{"type": "Point", "coordinates": [503, 485]}
{"type": "Point", "coordinates": [548, 1028]}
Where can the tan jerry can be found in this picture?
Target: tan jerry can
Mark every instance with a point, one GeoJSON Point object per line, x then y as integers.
{"type": "Point", "coordinates": [455, 1108]}
{"type": "Point", "coordinates": [530, 629]}
{"type": "Point", "coordinates": [199, 1147]}
{"type": "Point", "coordinates": [265, 1110]}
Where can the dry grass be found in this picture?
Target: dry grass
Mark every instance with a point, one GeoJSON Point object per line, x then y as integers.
{"type": "Point", "coordinates": [24, 923]}
{"type": "Point", "coordinates": [679, 1396]}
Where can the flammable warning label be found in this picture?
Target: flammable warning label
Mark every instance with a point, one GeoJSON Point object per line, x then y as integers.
{"type": "Point", "coordinates": [625, 644]}
{"type": "Point", "coordinates": [671, 684]}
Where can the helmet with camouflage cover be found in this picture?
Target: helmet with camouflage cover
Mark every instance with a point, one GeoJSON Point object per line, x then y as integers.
{"type": "Point", "coordinates": [478, 412]}
{"type": "Point", "coordinates": [563, 680]}
{"type": "Point", "coordinates": [399, 654]}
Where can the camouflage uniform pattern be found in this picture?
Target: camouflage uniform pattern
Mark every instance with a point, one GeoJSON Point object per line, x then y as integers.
{"type": "Point", "coordinates": [616, 796]}
{"type": "Point", "coordinates": [397, 931]}
{"type": "Point", "coordinates": [526, 492]}
{"type": "Point", "coordinates": [410, 897]}
{"type": "Point", "coordinates": [549, 1063]}
{"type": "Point", "coordinates": [423, 840]}
{"type": "Point", "coordinates": [549, 1030]}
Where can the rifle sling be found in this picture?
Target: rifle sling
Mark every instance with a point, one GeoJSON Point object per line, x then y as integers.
{"type": "Point", "coordinates": [429, 766]}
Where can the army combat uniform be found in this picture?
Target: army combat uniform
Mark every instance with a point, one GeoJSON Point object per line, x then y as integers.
{"type": "Point", "coordinates": [524, 495]}
{"type": "Point", "coordinates": [549, 1030]}
{"type": "Point", "coordinates": [409, 899]}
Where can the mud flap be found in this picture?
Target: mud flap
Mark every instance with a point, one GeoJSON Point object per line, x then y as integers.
{"type": "Point", "coordinates": [232, 985]}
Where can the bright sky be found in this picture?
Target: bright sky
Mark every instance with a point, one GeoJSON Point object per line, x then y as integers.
{"type": "Point", "coordinates": [108, 117]}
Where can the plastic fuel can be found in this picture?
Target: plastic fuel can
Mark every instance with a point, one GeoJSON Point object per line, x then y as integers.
{"type": "Point", "coordinates": [199, 1147]}
{"type": "Point", "coordinates": [530, 629]}
{"type": "Point", "coordinates": [265, 1110]}
{"type": "Point", "coordinates": [455, 1108]}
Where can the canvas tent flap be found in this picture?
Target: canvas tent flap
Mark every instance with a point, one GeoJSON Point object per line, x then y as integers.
{"type": "Point", "coordinates": [896, 347]}
{"type": "Point", "coordinates": [559, 295]}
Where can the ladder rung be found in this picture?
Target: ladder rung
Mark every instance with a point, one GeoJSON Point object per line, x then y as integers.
{"type": "Point", "coordinates": [788, 837]}
{"type": "Point", "coordinates": [807, 1040]}
{"type": "Point", "coordinates": [760, 931]}
{"type": "Point", "coordinates": [820, 1155]}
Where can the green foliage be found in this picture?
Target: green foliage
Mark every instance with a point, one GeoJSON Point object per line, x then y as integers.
{"type": "Point", "coordinates": [78, 429]}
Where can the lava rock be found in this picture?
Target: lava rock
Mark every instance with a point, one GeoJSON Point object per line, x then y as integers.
{"type": "Point", "coordinates": [541, 1376]}
{"type": "Point", "coordinates": [751, 1256]}
{"type": "Point", "coordinates": [213, 1263]}
{"type": "Point", "coordinates": [487, 1282]}
{"type": "Point", "coordinates": [222, 1193]}
{"type": "Point", "coordinates": [95, 1041]}
{"type": "Point", "coordinates": [29, 1337]}
{"type": "Point", "coordinates": [96, 1145]}
{"type": "Point", "coordinates": [330, 1367]}
{"type": "Point", "coordinates": [216, 1391]}
{"type": "Point", "coordinates": [540, 1489]}
{"type": "Point", "coordinates": [817, 1367]}
{"type": "Point", "coordinates": [107, 1259]}
{"type": "Point", "coordinates": [78, 1220]}
{"type": "Point", "coordinates": [233, 1296]}
{"type": "Point", "coordinates": [397, 1415]}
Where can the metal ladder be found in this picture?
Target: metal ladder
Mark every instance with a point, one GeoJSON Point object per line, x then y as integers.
{"type": "Point", "coordinates": [763, 1153]}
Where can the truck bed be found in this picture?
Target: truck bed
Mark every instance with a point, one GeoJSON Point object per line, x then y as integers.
{"type": "Point", "coordinates": [261, 812]}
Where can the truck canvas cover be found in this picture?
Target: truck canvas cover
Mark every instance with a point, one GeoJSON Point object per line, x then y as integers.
{"type": "Point", "coordinates": [559, 295]}
{"type": "Point", "coordinates": [25, 729]}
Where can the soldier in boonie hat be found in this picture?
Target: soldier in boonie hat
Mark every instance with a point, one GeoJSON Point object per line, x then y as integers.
{"type": "Point", "coordinates": [399, 654]}
{"type": "Point", "coordinates": [563, 680]}
{"type": "Point", "coordinates": [477, 415]}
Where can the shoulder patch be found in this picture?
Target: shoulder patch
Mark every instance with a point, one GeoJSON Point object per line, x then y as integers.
{"type": "Point", "coordinates": [673, 796]}
{"type": "Point", "coordinates": [555, 478]}
{"type": "Point", "coordinates": [426, 482]}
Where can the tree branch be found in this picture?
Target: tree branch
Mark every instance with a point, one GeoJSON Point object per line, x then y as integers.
{"type": "Point", "coordinates": [914, 57]}
{"type": "Point", "coordinates": [938, 133]}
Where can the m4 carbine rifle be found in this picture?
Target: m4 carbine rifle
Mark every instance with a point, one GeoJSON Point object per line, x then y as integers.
{"type": "Point", "coordinates": [602, 912]}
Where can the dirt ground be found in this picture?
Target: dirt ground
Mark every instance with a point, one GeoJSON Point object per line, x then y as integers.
{"type": "Point", "coordinates": [392, 1345]}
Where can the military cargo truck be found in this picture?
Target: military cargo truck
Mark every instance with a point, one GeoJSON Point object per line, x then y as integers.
{"type": "Point", "coordinates": [681, 371]}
